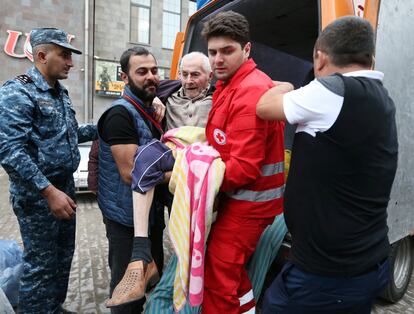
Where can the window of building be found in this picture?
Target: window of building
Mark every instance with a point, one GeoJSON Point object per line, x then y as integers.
{"type": "Point", "coordinates": [192, 8]}
{"type": "Point", "coordinates": [164, 73]}
{"type": "Point", "coordinates": [172, 6]}
{"type": "Point", "coordinates": [171, 20]}
{"type": "Point", "coordinates": [140, 21]}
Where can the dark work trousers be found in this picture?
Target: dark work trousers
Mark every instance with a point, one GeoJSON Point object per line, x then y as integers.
{"type": "Point", "coordinates": [120, 240]}
{"type": "Point", "coordinates": [297, 292]}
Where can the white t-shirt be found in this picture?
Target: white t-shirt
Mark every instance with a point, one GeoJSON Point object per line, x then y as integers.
{"type": "Point", "coordinates": [316, 106]}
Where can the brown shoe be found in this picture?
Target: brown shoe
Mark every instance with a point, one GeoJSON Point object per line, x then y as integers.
{"type": "Point", "coordinates": [138, 278]}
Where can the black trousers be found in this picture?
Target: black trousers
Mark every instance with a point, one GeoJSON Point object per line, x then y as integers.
{"type": "Point", "coordinates": [120, 239]}
{"type": "Point", "coordinates": [296, 291]}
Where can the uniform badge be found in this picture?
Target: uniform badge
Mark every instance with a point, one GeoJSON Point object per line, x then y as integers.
{"type": "Point", "coordinates": [219, 137]}
{"type": "Point", "coordinates": [24, 79]}
{"type": "Point", "coordinates": [45, 102]}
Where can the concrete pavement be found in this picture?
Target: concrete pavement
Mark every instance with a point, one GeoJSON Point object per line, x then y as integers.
{"type": "Point", "coordinates": [88, 287]}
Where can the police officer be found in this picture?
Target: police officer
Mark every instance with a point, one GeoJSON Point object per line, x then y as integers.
{"type": "Point", "coordinates": [39, 138]}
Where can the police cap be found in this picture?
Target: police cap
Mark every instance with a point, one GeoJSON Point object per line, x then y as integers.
{"type": "Point", "coordinates": [40, 36]}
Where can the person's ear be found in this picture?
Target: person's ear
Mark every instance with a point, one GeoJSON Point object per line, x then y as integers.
{"type": "Point", "coordinates": [42, 56]}
{"type": "Point", "coordinates": [246, 50]}
{"type": "Point", "coordinates": [124, 78]}
{"type": "Point", "coordinates": [320, 61]}
{"type": "Point", "coordinates": [210, 77]}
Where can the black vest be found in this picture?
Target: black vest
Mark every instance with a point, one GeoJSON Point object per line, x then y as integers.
{"type": "Point", "coordinates": [339, 185]}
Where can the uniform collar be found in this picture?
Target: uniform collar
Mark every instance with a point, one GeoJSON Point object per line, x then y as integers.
{"type": "Point", "coordinates": [240, 74]}
{"type": "Point", "coordinates": [40, 81]}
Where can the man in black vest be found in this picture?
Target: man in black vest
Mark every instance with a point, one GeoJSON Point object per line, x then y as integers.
{"type": "Point", "coordinates": [343, 166]}
{"type": "Point", "coordinates": [127, 124]}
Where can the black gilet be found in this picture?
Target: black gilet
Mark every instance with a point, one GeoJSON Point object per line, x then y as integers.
{"type": "Point", "coordinates": [339, 185]}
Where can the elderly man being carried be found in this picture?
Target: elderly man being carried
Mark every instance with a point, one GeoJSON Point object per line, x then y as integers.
{"type": "Point", "coordinates": [188, 103]}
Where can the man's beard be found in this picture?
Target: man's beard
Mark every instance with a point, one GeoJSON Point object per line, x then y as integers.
{"type": "Point", "coordinates": [141, 93]}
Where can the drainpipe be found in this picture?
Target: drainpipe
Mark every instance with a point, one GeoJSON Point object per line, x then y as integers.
{"type": "Point", "coordinates": [86, 55]}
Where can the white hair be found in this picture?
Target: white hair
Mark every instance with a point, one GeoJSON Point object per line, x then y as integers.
{"type": "Point", "coordinates": [191, 55]}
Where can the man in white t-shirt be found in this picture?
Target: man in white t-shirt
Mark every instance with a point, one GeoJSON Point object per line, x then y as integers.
{"type": "Point", "coordinates": [343, 165]}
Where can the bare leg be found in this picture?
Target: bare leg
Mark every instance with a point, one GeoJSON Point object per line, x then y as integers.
{"type": "Point", "coordinates": [142, 205]}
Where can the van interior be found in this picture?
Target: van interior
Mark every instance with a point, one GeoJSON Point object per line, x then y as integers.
{"type": "Point", "coordinates": [282, 34]}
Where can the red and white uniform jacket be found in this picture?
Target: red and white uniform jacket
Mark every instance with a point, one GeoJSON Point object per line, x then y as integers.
{"type": "Point", "coordinates": [251, 148]}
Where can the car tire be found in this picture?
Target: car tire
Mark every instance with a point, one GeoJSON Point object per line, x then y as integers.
{"type": "Point", "coordinates": [401, 268]}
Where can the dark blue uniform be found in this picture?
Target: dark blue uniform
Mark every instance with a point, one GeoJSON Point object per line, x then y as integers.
{"type": "Point", "coordinates": [39, 138]}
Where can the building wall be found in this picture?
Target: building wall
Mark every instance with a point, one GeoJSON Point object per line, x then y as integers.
{"type": "Point", "coordinates": [112, 37]}
{"type": "Point", "coordinates": [23, 16]}
{"type": "Point", "coordinates": [109, 35]}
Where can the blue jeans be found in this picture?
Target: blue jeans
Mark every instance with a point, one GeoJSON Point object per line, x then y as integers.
{"type": "Point", "coordinates": [295, 292]}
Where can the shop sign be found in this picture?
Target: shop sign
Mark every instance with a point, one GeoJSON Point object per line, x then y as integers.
{"type": "Point", "coordinates": [25, 51]}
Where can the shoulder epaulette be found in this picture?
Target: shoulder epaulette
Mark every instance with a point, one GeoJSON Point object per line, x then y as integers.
{"type": "Point", "coordinates": [24, 79]}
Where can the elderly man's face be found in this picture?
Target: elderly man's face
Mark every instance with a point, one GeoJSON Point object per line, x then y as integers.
{"type": "Point", "coordinates": [194, 77]}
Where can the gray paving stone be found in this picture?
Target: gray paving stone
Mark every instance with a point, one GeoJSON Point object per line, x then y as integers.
{"type": "Point", "coordinates": [89, 277]}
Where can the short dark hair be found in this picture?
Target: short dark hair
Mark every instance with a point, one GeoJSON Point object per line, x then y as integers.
{"type": "Point", "coordinates": [348, 40]}
{"type": "Point", "coordinates": [134, 51]}
{"type": "Point", "coordinates": [229, 24]}
{"type": "Point", "coordinates": [42, 47]}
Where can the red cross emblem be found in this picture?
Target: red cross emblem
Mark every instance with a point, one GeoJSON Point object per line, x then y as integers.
{"type": "Point", "coordinates": [219, 137]}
